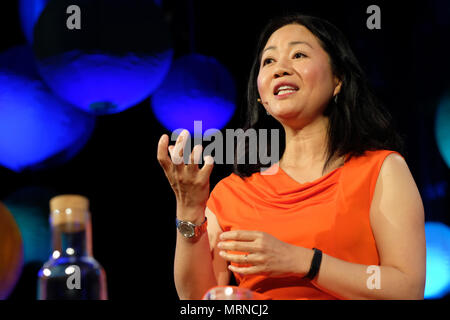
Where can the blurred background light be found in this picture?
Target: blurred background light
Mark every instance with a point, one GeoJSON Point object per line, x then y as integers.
{"type": "Point", "coordinates": [197, 87]}
{"type": "Point", "coordinates": [442, 127]}
{"type": "Point", "coordinates": [37, 129]}
{"type": "Point", "coordinates": [117, 59]}
{"type": "Point", "coordinates": [30, 208]}
{"type": "Point", "coordinates": [435, 191]}
{"type": "Point", "coordinates": [438, 260]}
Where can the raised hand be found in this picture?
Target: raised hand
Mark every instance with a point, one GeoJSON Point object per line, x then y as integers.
{"type": "Point", "coordinates": [189, 183]}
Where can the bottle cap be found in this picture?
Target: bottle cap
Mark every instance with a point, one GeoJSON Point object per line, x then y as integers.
{"type": "Point", "coordinates": [69, 209]}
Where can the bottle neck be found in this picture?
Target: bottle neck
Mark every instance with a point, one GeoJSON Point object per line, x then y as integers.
{"type": "Point", "coordinates": [71, 240]}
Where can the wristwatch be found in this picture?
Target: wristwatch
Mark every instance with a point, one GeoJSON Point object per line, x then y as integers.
{"type": "Point", "coordinates": [190, 230]}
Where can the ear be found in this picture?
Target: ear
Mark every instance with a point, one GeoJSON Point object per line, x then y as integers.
{"type": "Point", "coordinates": [337, 86]}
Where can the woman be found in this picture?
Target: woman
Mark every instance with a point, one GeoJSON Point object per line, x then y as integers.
{"type": "Point", "coordinates": [340, 217]}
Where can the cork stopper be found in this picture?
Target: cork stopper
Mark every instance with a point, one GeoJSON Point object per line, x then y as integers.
{"type": "Point", "coordinates": [69, 209]}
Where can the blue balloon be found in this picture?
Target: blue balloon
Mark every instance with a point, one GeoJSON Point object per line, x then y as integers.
{"type": "Point", "coordinates": [442, 127]}
{"type": "Point", "coordinates": [438, 260]}
{"type": "Point", "coordinates": [197, 88]}
{"type": "Point", "coordinates": [30, 10]}
{"type": "Point", "coordinates": [118, 56]}
{"type": "Point", "coordinates": [37, 129]}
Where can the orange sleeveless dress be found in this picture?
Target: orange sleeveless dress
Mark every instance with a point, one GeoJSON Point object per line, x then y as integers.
{"type": "Point", "coordinates": [330, 213]}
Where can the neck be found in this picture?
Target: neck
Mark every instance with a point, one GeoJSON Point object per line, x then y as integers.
{"type": "Point", "coordinates": [306, 147]}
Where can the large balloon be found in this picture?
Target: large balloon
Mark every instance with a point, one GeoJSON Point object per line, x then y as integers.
{"type": "Point", "coordinates": [11, 252]}
{"type": "Point", "coordinates": [37, 129]}
{"type": "Point", "coordinates": [197, 88]}
{"type": "Point", "coordinates": [103, 56]}
{"type": "Point", "coordinates": [30, 10]}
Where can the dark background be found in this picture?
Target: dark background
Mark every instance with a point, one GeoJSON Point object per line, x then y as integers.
{"type": "Point", "coordinates": [132, 205]}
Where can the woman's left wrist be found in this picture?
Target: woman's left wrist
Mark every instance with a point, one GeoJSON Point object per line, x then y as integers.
{"type": "Point", "coordinates": [303, 261]}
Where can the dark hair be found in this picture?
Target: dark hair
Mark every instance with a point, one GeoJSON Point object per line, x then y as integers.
{"type": "Point", "coordinates": [357, 122]}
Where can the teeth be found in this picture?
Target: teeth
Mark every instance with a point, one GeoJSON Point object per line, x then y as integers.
{"type": "Point", "coordinates": [284, 88]}
{"type": "Point", "coordinates": [285, 91]}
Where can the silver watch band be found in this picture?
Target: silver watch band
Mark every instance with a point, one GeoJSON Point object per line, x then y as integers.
{"type": "Point", "coordinates": [189, 229]}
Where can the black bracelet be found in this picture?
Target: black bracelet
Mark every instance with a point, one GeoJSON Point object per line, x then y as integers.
{"type": "Point", "coordinates": [315, 265]}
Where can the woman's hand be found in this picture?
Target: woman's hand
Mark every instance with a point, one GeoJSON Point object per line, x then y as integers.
{"type": "Point", "coordinates": [265, 254]}
{"type": "Point", "coordinates": [189, 183]}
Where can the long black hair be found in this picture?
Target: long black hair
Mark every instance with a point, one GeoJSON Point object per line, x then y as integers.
{"type": "Point", "coordinates": [357, 122]}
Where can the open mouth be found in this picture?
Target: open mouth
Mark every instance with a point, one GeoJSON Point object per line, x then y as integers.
{"type": "Point", "coordinates": [285, 89]}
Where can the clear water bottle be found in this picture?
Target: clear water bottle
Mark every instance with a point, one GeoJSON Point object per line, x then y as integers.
{"type": "Point", "coordinates": [71, 273]}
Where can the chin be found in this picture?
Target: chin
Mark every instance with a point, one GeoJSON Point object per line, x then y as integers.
{"type": "Point", "coordinates": [285, 113]}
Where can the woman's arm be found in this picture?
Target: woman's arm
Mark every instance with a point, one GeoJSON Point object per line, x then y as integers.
{"type": "Point", "coordinates": [197, 267]}
{"type": "Point", "coordinates": [397, 220]}
{"type": "Point", "coordinates": [193, 269]}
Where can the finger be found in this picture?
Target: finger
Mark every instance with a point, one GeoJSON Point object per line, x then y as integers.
{"type": "Point", "coordinates": [236, 258]}
{"type": "Point", "coordinates": [177, 150]}
{"type": "Point", "coordinates": [196, 155]}
{"type": "Point", "coordinates": [173, 158]}
{"type": "Point", "coordinates": [208, 166]}
{"type": "Point", "coordinates": [162, 156]}
{"type": "Point", "coordinates": [177, 153]}
{"type": "Point", "coordinates": [171, 149]}
{"type": "Point", "coordinates": [242, 235]}
{"type": "Point", "coordinates": [246, 270]}
{"type": "Point", "coordinates": [244, 246]}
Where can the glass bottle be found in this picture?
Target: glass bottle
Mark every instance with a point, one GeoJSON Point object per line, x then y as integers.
{"type": "Point", "coordinates": [71, 273]}
{"type": "Point", "coordinates": [229, 293]}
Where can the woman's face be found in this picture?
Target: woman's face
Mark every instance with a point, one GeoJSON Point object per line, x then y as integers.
{"type": "Point", "coordinates": [294, 59]}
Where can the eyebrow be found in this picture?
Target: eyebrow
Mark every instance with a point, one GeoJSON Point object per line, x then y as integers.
{"type": "Point", "coordinates": [290, 43]}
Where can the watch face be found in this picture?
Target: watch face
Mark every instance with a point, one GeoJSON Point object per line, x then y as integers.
{"type": "Point", "coordinates": [187, 230]}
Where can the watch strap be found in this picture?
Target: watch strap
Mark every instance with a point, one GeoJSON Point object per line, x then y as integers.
{"type": "Point", "coordinates": [198, 229]}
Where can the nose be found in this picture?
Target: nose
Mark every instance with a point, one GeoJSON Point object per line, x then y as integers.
{"type": "Point", "coordinates": [281, 73]}
{"type": "Point", "coordinates": [282, 70]}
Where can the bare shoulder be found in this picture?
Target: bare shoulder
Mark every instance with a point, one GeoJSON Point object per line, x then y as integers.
{"type": "Point", "coordinates": [395, 165]}
{"type": "Point", "coordinates": [396, 191]}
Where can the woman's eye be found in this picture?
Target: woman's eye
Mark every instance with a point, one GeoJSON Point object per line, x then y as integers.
{"type": "Point", "coordinates": [266, 61]}
{"type": "Point", "coordinates": [298, 55]}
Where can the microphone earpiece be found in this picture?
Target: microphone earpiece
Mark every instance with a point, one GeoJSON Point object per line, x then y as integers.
{"type": "Point", "coordinates": [262, 102]}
